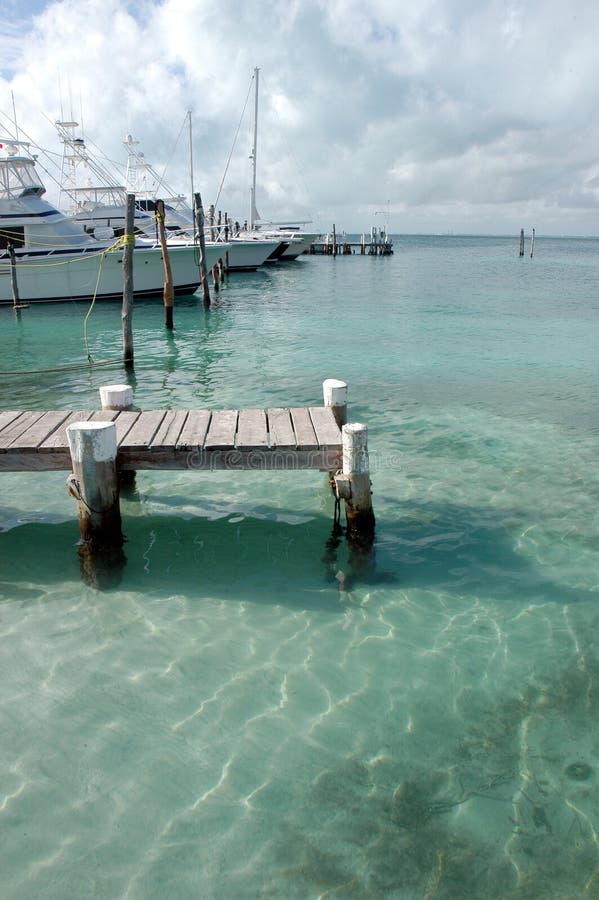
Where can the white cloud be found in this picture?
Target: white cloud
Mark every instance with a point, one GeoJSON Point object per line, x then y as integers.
{"type": "Point", "coordinates": [461, 114]}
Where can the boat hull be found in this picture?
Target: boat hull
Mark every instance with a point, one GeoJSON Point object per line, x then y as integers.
{"type": "Point", "coordinates": [86, 273]}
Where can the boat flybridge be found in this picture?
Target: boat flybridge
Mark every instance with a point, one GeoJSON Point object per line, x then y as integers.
{"type": "Point", "coordinates": [46, 256]}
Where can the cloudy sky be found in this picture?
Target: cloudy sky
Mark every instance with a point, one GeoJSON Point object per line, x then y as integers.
{"type": "Point", "coordinates": [476, 116]}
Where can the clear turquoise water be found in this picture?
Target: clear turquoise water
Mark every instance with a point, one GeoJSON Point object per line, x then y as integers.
{"type": "Point", "coordinates": [251, 714]}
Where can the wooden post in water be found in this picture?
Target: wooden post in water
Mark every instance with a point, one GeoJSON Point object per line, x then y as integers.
{"type": "Point", "coordinates": [202, 239]}
{"type": "Point", "coordinates": [334, 242]}
{"type": "Point", "coordinates": [169, 291]}
{"type": "Point", "coordinates": [215, 278]}
{"type": "Point", "coordinates": [94, 483]}
{"type": "Point", "coordinates": [127, 309]}
{"type": "Point", "coordinates": [356, 469]}
{"type": "Point", "coordinates": [16, 303]}
{"type": "Point", "coordinates": [521, 242]}
{"type": "Point", "coordinates": [532, 243]}
{"type": "Point", "coordinates": [335, 396]}
{"type": "Point", "coordinates": [221, 269]}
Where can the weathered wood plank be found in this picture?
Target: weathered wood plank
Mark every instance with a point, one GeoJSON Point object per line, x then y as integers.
{"type": "Point", "coordinates": [194, 430]}
{"type": "Point", "coordinates": [18, 427]}
{"type": "Point", "coordinates": [40, 430]}
{"type": "Point", "coordinates": [136, 429]}
{"type": "Point", "coordinates": [327, 431]}
{"type": "Point", "coordinates": [305, 435]}
{"type": "Point", "coordinates": [58, 438]}
{"type": "Point", "coordinates": [8, 416]}
{"type": "Point", "coordinates": [251, 429]}
{"type": "Point", "coordinates": [280, 428]}
{"type": "Point", "coordinates": [170, 429]}
{"type": "Point", "coordinates": [221, 432]}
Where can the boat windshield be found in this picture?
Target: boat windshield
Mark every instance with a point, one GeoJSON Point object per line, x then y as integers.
{"type": "Point", "coordinates": [18, 178]}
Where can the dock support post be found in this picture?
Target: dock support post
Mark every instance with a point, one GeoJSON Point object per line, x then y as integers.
{"type": "Point", "coordinates": [335, 396]}
{"type": "Point", "coordinates": [521, 242]}
{"type": "Point", "coordinates": [94, 485]}
{"type": "Point", "coordinates": [334, 242]}
{"type": "Point", "coordinates": [356, 470]}
{"type": "Point", "coordinates": [119, 397]}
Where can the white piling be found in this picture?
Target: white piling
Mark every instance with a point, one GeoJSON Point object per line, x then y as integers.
{"type": "Point", "coordinates": [356, 469]}
{"type": "Point", "coordinates": [116, 396]}
{"type": "Point", "coordinates": [335, 396]}
{"type": "Point", "coordinates": [94, 482]}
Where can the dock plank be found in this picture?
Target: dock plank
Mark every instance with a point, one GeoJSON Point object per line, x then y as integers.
{"type": "Point", "coordinates": [327, 431]}
{"type": "Point", "coordinates": [8, 416]}
{"type": "Point", "coordinates": [139, 431]}
{"type": "Point", "coordinates": [39, 430]}
{"type": "Point", "coordinates": [193, 433]}
{"type": "Point", "coordinates": [305, 435]}
{"type": "Point", "coordinates": [252, 433]}
{"type": "Point", "coordinates": [170, 429]}
{"type": "Point", "coordinates": [17, 427]}
{"type": "Point", "coordinates": [58, 438]}
{"type": "Point", "coordinates": [280, 429]}
{"type": "Point", "coordinates": [221, 432]}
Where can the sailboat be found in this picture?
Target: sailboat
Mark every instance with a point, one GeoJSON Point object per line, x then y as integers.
{"type": "Point", "coordinates": [298, 241]}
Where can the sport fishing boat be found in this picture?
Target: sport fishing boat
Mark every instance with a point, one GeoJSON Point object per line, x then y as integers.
{"type": "Point", "coordinates": [100, 208]}
{"type": "Point", "coordinates": [45, 256]}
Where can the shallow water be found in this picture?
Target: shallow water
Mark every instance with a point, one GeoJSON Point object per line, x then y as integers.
{"type": "Point", "coordinates": [253, 711]}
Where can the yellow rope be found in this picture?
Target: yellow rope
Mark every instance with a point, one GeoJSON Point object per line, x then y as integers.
{"type": "Point", "coordinates": [89, 356]}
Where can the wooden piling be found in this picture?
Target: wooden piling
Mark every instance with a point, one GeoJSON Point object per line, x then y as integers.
{"type": "Point", "coordinates": [335, 396]}
{"type": "Point", "coordinates": [127, 308]}
{"type": "Point", "coordinates": [334, 242]}
{"type": "Point", "coordinates": [532, 243]}
{"type": "Point", "coordinates": [521, 242]}
{"type": "Point", "coordinates": [169, 290]}
{"type": "Point", "coordinates": [356, 469]}
{"type": "Point", "coordinates": [119, 397]}
{"type": "Point", "coordinates": [221, 269]}
{"type": "Point", "coordinates": [202, 239]}
{"type": "Point", "coordinates": [215, 278]}
{"type": "Point", "coordinates": [16, 302]}
{"type": "Point", "coordinates": [94, 482]}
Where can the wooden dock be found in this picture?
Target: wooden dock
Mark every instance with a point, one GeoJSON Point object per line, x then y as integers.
{"type": "Point", "coordinates": [293, 438]}
{"type": "Point", "coordinates": [102, 449]}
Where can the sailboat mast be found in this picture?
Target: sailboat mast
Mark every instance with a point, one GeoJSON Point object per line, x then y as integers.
{"type": "Point", "coordinates": [253, 211]}
{"type": "Point", "coordinates": [191, 164]}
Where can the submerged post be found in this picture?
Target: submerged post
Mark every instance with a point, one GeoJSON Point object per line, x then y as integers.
{"type": "Point", "coordinates": [532, 243]}
{"type": "Point", "coordinates": [335, 396]}
{"type": "Point", "coordinates": [127, 309]}
{"type": "Point", "coordinates": [94, 483]}
{"type": "Point", "coordinates": [521, 242]}
{"type": "Point", "coordinates": [356, 469]}
{"type": "Point", "coordinates": [169, 291]}
{"type": "Point", "coordinates": [202, 239]}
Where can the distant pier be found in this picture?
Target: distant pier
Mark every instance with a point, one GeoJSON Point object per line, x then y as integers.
{"type": "Point", "coordinates": [378, 243]}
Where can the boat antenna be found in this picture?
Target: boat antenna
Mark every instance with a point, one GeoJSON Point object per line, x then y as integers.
{"type": "Point", "coordinates": [14, 115]}
{"type": "Point", "coordinates": [253, 211]}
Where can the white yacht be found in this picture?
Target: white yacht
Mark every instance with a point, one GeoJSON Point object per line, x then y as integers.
{"type": "Point", "coordinates": [45, 256]}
